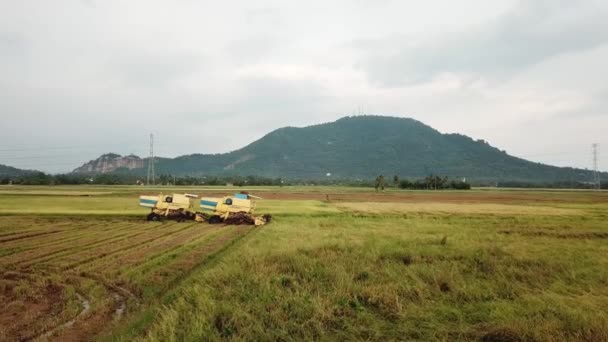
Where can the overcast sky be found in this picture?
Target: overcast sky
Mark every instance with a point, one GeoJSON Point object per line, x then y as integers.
{"type": "Point", "coordinates": [81, 78]}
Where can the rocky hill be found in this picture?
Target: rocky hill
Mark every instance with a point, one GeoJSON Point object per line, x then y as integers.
{"type": "Point", "coordinates": [111, 162]}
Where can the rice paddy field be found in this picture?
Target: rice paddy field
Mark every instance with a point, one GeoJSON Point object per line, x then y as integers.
{"type": "Point", "coordinates": [81, 263]}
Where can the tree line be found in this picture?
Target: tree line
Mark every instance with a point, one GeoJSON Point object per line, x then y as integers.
{"type": "Point", "coordinates": [431, 182]}
{"type": "Point", "coordinates": [41, 178]}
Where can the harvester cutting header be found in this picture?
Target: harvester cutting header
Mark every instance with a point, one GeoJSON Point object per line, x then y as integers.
{"type": "Point", "coordinates": [237, 209]}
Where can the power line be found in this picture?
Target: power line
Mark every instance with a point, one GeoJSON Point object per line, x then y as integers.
{"type": "Point", "coordinates": [38, 157]}
{"type": "Point", "coordinates": [548, 154]}
{"type": "Point", "coordinates": [73, 147]}
{"type": "Point", "coordinates": [22, 166]}
{"type": "Point", "coordinates": [46, 149]}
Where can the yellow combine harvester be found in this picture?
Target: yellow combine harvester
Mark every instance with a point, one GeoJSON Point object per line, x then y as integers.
{"type": "Point", "coordinates": [237, 209]}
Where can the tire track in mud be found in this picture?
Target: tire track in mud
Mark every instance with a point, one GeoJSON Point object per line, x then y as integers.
{"type": "Point", "coordinates": [118, 294]}
{"type": "Point", "coordinates": [63, 252]}
{"type": "Point", "coordinates": [86, 307]}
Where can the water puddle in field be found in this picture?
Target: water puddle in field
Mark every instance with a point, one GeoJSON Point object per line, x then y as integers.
{"type": "Point", "coordinates": [122, 305]}
{"type": "Point", "coordinates": [86, 306]}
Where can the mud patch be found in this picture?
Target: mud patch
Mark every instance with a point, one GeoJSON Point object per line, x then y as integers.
{"type": "Point", "coordinates": [122, 305]}
{"type": "Point", "coordinates": [224, 325]}
{"type": "Point", "coordinates": [239, 218]}
{"type": "Point", "coordinates": [407, 259]}
{"type": "Point", "coordinates": [542, 233]}
{"type": "Point", "coordinates": [444, 287]}
{"type": "Point", "coordinates": [501, 335]}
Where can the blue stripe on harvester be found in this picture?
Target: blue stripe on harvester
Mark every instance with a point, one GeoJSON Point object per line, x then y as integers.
{"type": "Point", "coordinates": [148, 201]}
{"type": "Point", "coordinates": [208, 203]}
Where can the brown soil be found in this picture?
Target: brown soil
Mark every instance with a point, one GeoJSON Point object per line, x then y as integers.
{"type": "Point", "coordinates": [23, 316]}
{"type": "Point", "coordinates": [501, 335]}
{"type": "Point", "coordinates": [541, 233]}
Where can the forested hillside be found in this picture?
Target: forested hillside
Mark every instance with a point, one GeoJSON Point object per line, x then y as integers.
{"type": "Point", "coordinates": [365, 146]}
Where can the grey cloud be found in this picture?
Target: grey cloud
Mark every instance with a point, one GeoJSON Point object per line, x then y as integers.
{"type": "Point", "coordinates": [531, 33]}
{"type": "Point", "coordinates": [265, 99]}
{"type": "Point", "coordinates": [11, 42]}
{"type": "Point", "coordinates": [596, 107]}
{"type": "Point", "coordinates": [279, 95]}
{"type": "Point", "coordinates": [154, 70]}
{"type": "Point", "coordinates": [255, 49]}
{"type": "Point", "coordinates": [13, 46]}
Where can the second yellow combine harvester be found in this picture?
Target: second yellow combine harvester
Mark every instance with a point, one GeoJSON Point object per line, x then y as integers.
{"type": "Point", "coordinates": [237, 209]}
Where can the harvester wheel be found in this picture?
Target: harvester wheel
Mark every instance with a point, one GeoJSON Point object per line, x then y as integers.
{"type": "Point", "coordinates": [215, 219]}
{"type": "Point", "coordinates": [153, 217]}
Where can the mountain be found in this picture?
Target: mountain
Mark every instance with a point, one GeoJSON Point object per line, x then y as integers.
{"type": "Point", "coordinates": [9, 171]}
{"type": "Point", "coordinates": [111, 162]}
{"type": "Point", "coordinates": [364, 147]}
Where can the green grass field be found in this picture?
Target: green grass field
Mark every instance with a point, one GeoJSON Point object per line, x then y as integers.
{"type": "Point", "coordinates": [334, 264]}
